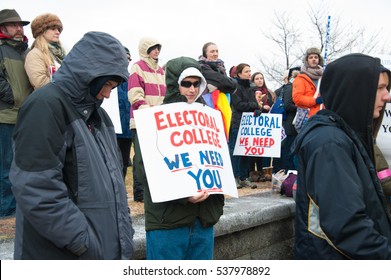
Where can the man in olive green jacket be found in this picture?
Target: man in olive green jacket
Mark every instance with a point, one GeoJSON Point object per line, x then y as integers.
{"type": "Point", "coordinates": [14, 89]}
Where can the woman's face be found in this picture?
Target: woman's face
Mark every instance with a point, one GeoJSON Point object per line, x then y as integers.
{"type": "Point", "coordinates": [154, 54]}
{"type": "Point", "coordinates": [52, 35]}
{"type": "Point", "coordinates": [258, 80]}
{"type": "Point", "coordinates": [212, 53]}
{"type": "Point", "coordinates": [245, 74]}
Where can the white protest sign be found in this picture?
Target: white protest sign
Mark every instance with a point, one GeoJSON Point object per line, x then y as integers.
{"type": "Point", "coordinates": [259, 136]}
{"type": "Point", "coordinates": [184, 151]}
{"type": "Point", "coordinates": [383, 139]}
{"type": "Point", "coordinates": [111, 107]}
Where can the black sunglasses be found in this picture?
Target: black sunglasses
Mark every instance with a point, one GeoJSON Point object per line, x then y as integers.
{"type": "Point", "coordinates": [188, 84]}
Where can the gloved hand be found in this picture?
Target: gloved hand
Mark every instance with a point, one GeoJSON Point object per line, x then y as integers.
{"type": "Point", "coordinates": [257, 113]}
{"type": "Point", "coordinates": [319, 100]}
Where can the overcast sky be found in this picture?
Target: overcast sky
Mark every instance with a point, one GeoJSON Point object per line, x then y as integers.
{"type": "Point", "coordinates": [183, 26]}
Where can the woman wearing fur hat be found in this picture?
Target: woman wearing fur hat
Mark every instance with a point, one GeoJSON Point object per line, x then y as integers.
{"type": "Point", "coordinates": [305, 84]}
{"type": "Point", "coordinates": [46, 53]}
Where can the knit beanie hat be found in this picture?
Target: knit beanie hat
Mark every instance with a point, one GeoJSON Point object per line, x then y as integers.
{"type": "Point", "coordinates": [232, 72]}
{"type": "Point", "coordinates": [44, 22]}
{"type": "Point", "coordinates": [313, 51]}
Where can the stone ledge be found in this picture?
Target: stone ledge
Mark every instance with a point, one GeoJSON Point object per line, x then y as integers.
{"type": "Point", "coordinates": [255, 210]}
{"type": "Point", "coordinates": [266, 217]}
{"type": "Point", "coordinates": [259, 226]}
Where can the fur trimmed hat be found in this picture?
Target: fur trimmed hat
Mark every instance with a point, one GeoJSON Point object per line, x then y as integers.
{"type": "Point", "coordinates": [44, 22]}
{"type": "Point", "coordinates": [314, 51]}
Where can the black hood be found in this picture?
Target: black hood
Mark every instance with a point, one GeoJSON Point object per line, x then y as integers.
{"type": "Point", "coordinates": [348, 88]}
{"type": "Point", "coordinates": [97, 54]}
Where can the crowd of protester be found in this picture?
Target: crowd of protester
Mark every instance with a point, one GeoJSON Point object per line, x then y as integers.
{"type": "Point", "coordinates": [63, 168]}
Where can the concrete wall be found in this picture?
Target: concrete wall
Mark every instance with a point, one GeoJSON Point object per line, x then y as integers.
{"type": "Point", "coordinates": [252, 227]}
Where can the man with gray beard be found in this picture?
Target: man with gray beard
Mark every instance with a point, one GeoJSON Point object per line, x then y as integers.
{"type": "Point", "coordinates": [14, 89]}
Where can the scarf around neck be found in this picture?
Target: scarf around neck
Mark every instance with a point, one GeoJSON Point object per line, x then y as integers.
{"type": "Point", "coordinates": [219, 64]}
{"type": "Point", "coordinates": [20, 46]}
{"type": "Point", "coordinates": [314, 73]}
{"type": "Point", "coordinates": [57, 51]}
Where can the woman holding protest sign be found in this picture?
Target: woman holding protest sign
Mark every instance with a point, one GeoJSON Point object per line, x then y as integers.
{"type": "Point", "coordinates": [182, 229]}
{"type": "Point", "coordinates": [266, 97]}
{"type": "Point", "coordinates": [243, 100]}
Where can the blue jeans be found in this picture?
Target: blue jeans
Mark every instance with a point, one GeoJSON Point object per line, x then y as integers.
{"type": "Point", "coordinates": [240, 164]}
{"type": "Point", "coordinates": [183, 243]}
{"type": "Point", "coordinates": [7, 199]}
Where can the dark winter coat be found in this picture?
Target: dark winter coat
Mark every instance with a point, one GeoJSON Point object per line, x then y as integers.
{"type": "Point", "coordinates": [14, 82]}
{"type": "Point", "coordinates": [290, 109]}
{"type": "Point", "coordinates": [340, 206]}
{"type": "Point", "coordinates": [66, 174]}
{"type": "Point", "coordinates": [243, 100]}
{"type": "Point", "coordinates": [215, 76]}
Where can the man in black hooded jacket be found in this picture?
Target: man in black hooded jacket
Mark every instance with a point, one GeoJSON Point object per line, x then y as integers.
{"type": "Point", "coordinates": [340, 208]}
{"type": "Point", "coordinates": [67, 171]}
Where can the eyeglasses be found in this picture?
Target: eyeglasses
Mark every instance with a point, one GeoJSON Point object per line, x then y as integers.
{"type": "Point", "coordinates": [188, 84]}
{"type": "Point", "coordinates": [14, 24]}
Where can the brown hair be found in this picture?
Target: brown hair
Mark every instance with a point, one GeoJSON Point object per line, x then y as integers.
{"type": "Point", "coordinates": [263, 76]}
{"type": "Point", "coordinates": [240, 67]}
{"type": "Point", "coordinates": [204, 48]}
{"type": "Point", "coordinates": [264, 87]}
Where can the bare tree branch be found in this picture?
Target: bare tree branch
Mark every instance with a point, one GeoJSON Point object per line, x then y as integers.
{"type": "Point", "coordinates": [343, 39]}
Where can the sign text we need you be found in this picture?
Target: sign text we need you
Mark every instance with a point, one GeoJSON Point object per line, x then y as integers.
{"type": "Point", "coordinates": [259, 136]}
{"type": "Point", "coordinates": [184, 151]}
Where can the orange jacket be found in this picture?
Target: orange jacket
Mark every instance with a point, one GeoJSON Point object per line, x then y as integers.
{"type": "Point", "coordinates": [303, 91]}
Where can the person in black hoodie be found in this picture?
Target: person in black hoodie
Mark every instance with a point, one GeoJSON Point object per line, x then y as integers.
{"type": "Point", "coordinates": [66, 171]}
{"type": "Point", "coordinates": [341, 210]}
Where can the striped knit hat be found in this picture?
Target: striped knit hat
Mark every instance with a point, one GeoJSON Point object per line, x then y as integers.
{"type": "Point", "coordinates": [44, 22]}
